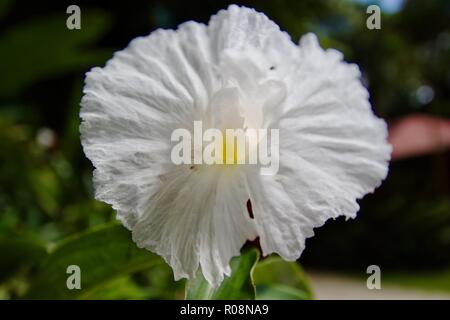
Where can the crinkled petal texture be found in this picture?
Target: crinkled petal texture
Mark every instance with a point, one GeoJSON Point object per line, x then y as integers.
{"type": "Point", "coordinates": [333, 149]}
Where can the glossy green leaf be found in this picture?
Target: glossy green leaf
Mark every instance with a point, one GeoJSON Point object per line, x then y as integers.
{"type": "Point", "coordinates": [276, 279]}
{"type": "Point", "coordinates": [117, 289]}
{"type": "Point", "coordinates": [103, 255]}
{"type": "Point", "coordinates": [155, 283]}
{"type": "Point", "coordinates": [280, 292]}
{"type": "Point", "coordinates": [238, 286]}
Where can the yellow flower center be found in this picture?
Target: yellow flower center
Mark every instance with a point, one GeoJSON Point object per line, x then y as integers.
{"type": "Point", "coordinates": [230, 150]}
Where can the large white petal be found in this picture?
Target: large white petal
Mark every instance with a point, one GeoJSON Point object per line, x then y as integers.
{"type": "Point", "coordinates": [278, 221]}
{"type": "Point", "coordinates": [333, 151]}
{"type": "Point", "coordinates": [240, 28]}
{"type": "Point", "coordinates": [198, 217]}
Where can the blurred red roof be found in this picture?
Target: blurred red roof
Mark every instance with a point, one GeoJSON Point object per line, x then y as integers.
{"type": "Point", "coordinates": [419, 135]}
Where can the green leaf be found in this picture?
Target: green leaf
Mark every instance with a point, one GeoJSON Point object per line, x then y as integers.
{"type": "Point", "coordinates": [280, 292]}
{"type": "Point", "coordinates": [103, 255]}
{"type": "Point", "coordinates": [154, 283]}
{"type": "Point", "coordinates": [117, 289]}
{"type": "Point", "coordinates": [17, 253]}
{"type": "Point", "coordinates": [238, 285]}
{"type": "Point", "coordinates": [276, 279]}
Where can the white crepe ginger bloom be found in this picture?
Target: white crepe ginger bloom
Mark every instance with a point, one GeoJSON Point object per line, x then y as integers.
{"type": "Point", "coordinates": [239, 71]}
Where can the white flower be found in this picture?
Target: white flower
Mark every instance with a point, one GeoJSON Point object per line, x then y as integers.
{"type": "Point", "coordinates": [240, 70]}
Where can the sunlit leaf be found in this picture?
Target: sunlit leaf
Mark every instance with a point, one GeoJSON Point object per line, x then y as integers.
{"type": "Point", "coordinates": [280, 292]}
{"type": "Point", "coordinates": [120, 288]}
{"type": "Point", "coordinates": [277, 279]}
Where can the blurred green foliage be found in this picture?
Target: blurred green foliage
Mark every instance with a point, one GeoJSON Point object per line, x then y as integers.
{"type": "Point", "coordinates": [41, 48]}
{"type": "Point", "coordinates": [45, 180]}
